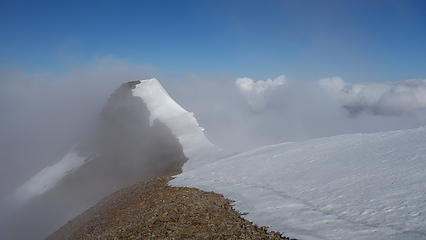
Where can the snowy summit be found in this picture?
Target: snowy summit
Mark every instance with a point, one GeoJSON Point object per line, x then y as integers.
{"type": "Point", "coordinates": [182, 123]}
{"type": "Point", "coordinates": [159, 106]}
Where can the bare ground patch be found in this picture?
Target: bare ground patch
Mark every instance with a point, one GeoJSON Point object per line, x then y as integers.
{"type": "Point", "coordinates": [155, 210]}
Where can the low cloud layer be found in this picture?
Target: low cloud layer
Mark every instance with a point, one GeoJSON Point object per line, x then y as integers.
{"type": "Point", "coordinates": [43, 115]}
{"type": "Point", "coordinates": [257, 93]}
{"type": "Point", "coordinates": [388, 98]}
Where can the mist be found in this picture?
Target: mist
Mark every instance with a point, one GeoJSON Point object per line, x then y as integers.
{"type": "Point", "coordinates": [241, 113]}
{"type": "Point", "coordinates": [43, 115]}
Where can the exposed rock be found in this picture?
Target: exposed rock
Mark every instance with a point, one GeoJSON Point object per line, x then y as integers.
{"type": "Point", "coordinates": [154, 210]}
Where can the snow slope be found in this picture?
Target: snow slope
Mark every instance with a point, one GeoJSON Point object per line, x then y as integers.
{"type": "Point", "coordinates": [357, 186]}
{"type": "Point", "coordinates": [182, 123]}
{"type": "Point", "coordinates": [48, 177]}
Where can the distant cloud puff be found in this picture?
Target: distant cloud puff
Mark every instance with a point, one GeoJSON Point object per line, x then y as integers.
{"type": "Point", "coordinates": [256, 93]}
{"type": "Point", "coordinates": [388, 98]}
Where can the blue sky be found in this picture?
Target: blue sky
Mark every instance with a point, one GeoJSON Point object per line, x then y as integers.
{"type": "Point", "coordinates": [359, 40]}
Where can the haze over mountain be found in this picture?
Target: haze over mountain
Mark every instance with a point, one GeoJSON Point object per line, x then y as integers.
{"type": "Point", "coordinates": [287, 91]}
{"type": "Point", "coordinates": [351, 186]}
{"type": "Point", "coordinates": [141, 133]}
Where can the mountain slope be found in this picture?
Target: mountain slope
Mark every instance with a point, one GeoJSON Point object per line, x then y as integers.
{"type": "Point", "coordinates": [141, 133]}
{"type": "Point", "coordinates": [154, 210]}
{"type": "Point", "coordinates": [358, 186]}
{"type": "Point", "coordinates": [125, 142]}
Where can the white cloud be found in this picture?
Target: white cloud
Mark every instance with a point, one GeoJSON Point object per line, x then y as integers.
{"type": "Point", "coordinates": [388, 98]}
{"type": "Point", "coordinates": [256, 93]}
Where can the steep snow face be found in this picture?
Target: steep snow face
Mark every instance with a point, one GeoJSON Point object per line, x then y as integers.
{"type": "Point", "coordinates": [358, 186]}
{"type": "Point", "coordinates": [182, 123]}
{"type": "Point", "coordinates": [48, 177]}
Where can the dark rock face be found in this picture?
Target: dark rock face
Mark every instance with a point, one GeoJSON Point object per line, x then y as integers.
{"type": "Point", "coordinates": [124, 149]}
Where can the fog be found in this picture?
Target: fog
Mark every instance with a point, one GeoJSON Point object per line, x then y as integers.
{"type": "Point", "coordinates": [389, 98]}
{"type": "Point", "coordinates": [240, 113]}
{"type": "Point", "coordinates": [43, 115]}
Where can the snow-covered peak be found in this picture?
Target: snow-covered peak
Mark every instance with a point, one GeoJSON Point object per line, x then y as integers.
{"type": "Point", "coordinates": [159, 102]}
{"type": "Point", "coordinates": [140, 133]}
{"type": "Point", "coordinates": [160, 106]}
{"type": "Point", "coordinates": [182, 123]}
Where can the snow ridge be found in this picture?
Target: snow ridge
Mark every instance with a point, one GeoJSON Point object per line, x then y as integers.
{"type": "Point", "coordinates": [182, 123]}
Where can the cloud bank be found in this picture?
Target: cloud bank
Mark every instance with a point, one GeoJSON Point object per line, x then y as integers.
{"type": "Point", "coordinates": [257, 93]}
{"type": "Point", "coordinates": [388, 98]}
{"type": "Point", "coordinates": [42, 115]}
